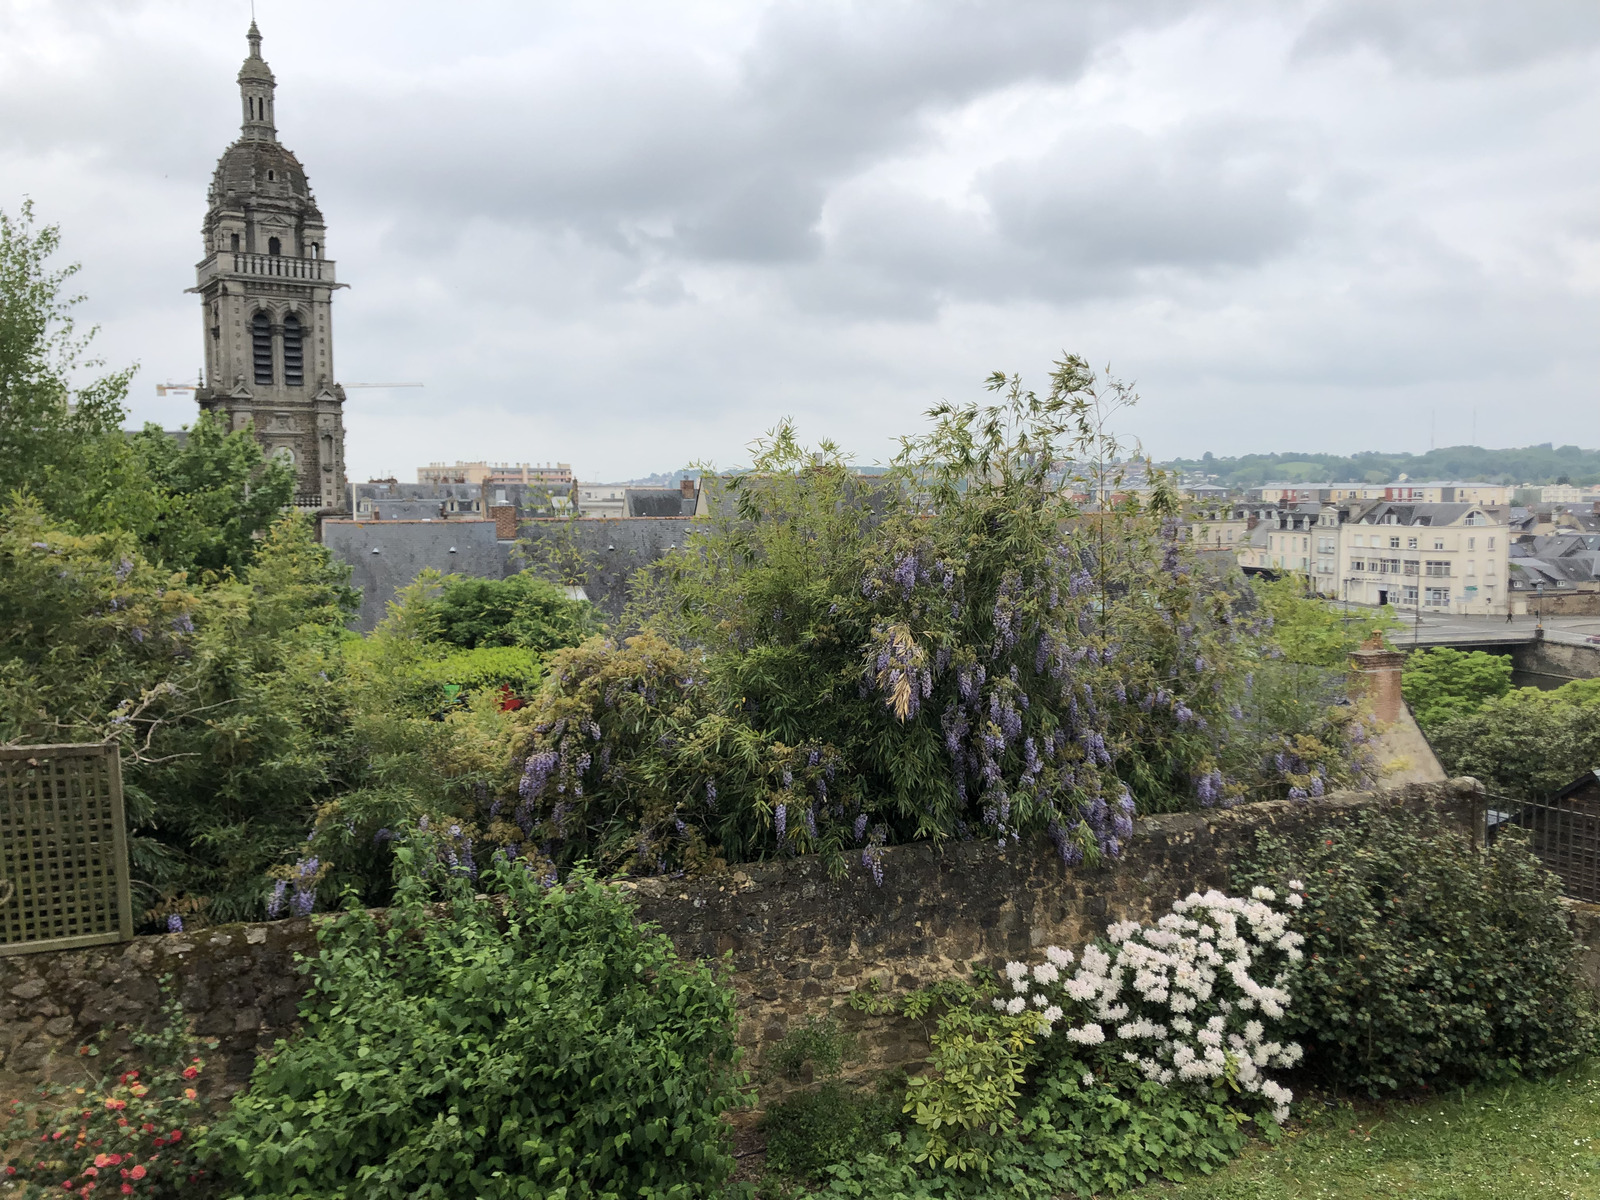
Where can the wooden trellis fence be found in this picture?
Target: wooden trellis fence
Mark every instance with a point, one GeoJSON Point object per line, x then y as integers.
{"type": "Point", "coordinates": [63, 848]}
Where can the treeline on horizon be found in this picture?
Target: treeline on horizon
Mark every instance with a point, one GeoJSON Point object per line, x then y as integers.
{"type": "Point", "coordinates": [1541, 464]}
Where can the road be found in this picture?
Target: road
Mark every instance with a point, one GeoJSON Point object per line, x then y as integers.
{"type": "Point", "coordinates": [1437, 627]}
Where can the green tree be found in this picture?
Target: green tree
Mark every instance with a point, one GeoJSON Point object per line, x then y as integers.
{"type": "Point", "coordinates": [1311, 632]}
{"type": "Point", "coordinates": [1526, 743]}
{"type": "Point", "coordinates": [521, 610]}
{"type": "Point", "coordinates": [1441, 683]}
{"type": "Point", "coordinates": [214, 495]}
{"type": "Point", "coordinates": [58, 442]}
{"type": "Point", "coordinates": [234, 760]}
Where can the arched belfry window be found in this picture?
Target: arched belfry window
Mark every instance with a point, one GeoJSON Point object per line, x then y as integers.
{"type": "Point", "coordinates": [293, 356]}
{"type": "Point", "coordinates": [261, 347]}
{"type": "Point", "coordinates": [274, 246]}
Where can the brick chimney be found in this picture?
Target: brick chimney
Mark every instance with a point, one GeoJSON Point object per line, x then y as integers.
{"type": "Point", "coordinates": [1379, 669]}
{"type": "Point", "coordinates": [504, 517]}
{"type": "Point", "coordinates": [686, 488]}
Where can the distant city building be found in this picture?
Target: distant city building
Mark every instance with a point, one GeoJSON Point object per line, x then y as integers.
{"type": "Point", "coordinates": [550, 475]}
{"type": "Point", "coordinates": [1560, 562]}
{"type": "Point", "coordinates": [1445, 557]}
{"type": "Point", "coordinates": [266, 287]}
{"type": "Point", "coordinates": [388, 500]}
{"type": "Point", "coordinates": [602, 499]}
{"type": "Point", "coordinates": [1449, 492]}
{"type": "Point", "coordinates": [1566, 493]}
{"type": "Point", "coordinates": [617, 500]}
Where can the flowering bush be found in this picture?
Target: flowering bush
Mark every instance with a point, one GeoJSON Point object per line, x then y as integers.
{"type": "Point", "coordinates": [1143, 1056]}
{"type": "Point", "coordinates": [959, 648]}
{"type": "Point", "coordinates": [1200, 996]}
{"type": "Point", "coordinates": [131, 1137]}
{"type": "Point", "coordinates": [1427, 960]}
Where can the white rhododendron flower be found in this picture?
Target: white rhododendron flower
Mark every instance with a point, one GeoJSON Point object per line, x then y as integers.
{"type": "Point", "coordinates": [1191, 998]}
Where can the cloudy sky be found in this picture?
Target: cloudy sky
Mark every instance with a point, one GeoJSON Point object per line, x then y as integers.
{"type": "Point", "coordinates": [630, 235]}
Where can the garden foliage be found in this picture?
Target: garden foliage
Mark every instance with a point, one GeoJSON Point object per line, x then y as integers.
{"type": "Point", "coordinates": [1528, 743]}
{"type": "Point", "coordinates": [136, 1135]}
{"type": "Point", "coordinates": [958, 648]}
{"type": "Point", "coordinates": [1442, 683]}
{"type": "Point", "coordinates": [536, 1042]}
{"type": "Point", "coordinates": [1428, 962]}
{"type": "Point", "coordinates": [1143, 1057]}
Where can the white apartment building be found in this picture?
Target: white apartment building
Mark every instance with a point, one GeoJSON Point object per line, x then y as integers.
{"type": "Point", "coordinates": [1436, 557]}
{"type": "Point", "coordinates": [602, 499]}
{"type": "Point", "coordinates": [1566, 493]}
{"type": "Point", "coordinates": [1443, 557]}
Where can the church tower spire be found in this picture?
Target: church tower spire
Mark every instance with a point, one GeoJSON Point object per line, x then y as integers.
{"type": "Point", "coordinates": [266, 288]}
{"type": "Point", "coordinates": [256, 86]}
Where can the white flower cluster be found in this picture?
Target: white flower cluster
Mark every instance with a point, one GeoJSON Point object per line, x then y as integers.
{"type": "Point", "coordinates": [1179, 997]}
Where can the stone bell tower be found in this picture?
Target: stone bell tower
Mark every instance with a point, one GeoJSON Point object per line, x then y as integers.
{"type": "Point", "coordinates": [266, 287]}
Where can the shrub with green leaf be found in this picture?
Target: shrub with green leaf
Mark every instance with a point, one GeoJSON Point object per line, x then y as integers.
{"type": "Point", "coordinates": [1441, 683]}
{"type": "Point", "coordinates": [1527, 743]}
{"type": "Point", "coordinates": [810, 1131]}
{"type": "Point", "coordinates": [1428, 962]}
{"type": "Point", "coordinates": [520, 610]}
{"type": "Point", "coordinates": [536, 1042]}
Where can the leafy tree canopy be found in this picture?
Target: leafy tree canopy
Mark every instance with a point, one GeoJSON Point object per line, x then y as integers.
{"type": "Point", "coordinates": [1539, 464]}
{"type": "Point", "coordinates": [1525, 743]}
{"type": "Point", "coordinates": [522, 610]}
{"type": "Point", "coordinates": [1441, 683]}
{"type": "Point", "coordinates": [214, 494]}
{"type": "Point", "coordinates": [59, 442]}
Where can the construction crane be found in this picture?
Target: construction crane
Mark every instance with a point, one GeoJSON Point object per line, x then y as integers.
{"type": "Point", "coordinates": [163, 388]}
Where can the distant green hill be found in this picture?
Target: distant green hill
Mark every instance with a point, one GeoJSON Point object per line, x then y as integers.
{"type": "Point", "coordinates": [1529, 464]}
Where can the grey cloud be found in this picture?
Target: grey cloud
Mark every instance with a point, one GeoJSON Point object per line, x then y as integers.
{"type": "Point", "coordinates": [1455, 36]}
{"type": "Point", "coordinates": [627, 236]}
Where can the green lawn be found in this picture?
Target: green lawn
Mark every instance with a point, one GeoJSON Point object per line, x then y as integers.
{"type": "Point", "coordinates": [1524, 1141]}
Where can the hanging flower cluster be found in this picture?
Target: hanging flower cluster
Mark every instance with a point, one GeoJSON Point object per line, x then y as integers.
{"type": "Point", "coordinates": [1197, 997]}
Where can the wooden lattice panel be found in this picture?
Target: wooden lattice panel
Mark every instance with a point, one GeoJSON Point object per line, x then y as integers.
{"type": "Point", "coordinates": [63, 848]}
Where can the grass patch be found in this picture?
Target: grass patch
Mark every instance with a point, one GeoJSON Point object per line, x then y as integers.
{"type": "Point", "coordinates": [1520, 1141]}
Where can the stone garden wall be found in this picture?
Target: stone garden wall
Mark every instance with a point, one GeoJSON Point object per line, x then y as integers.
{"type": "Point", "coordinates": [800, 941]}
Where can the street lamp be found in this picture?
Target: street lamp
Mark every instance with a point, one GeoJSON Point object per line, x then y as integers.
{"type": "Point", "coordinates": [1538, 610]}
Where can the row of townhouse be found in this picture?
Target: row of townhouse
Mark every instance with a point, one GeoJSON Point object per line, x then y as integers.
{"type": "Point", "coordinates": [1436, 491]}
{"type": "Point", "coordinates": [1444, 557]}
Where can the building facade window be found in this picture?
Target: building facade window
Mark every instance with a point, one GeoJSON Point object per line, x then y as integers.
{"type": "Point", "coordinates": [1438, 597]}
{"type": "Point", "coordinates": [1357, 564]}
{"type": "Point", "coordinates": [1411, 543]}
{"type": "Point", "coordinates": [1394, 543]}
{"type": "Point", "coordinates": [1408, 594]}
{"type": "Point", "coordinates": [1411, 566]}
{"type": "Point", "coordinates": [274, 247]}
{"type": "Point", "coordinates": [1438, 543]}
{"type": "Point", "coordinates": [1436, 567]}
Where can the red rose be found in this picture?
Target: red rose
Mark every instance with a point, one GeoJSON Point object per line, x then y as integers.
{"type": "Point", "coordinates": [138, 1171]}
{"type": "Point", "coordinates": [190, 1072]}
